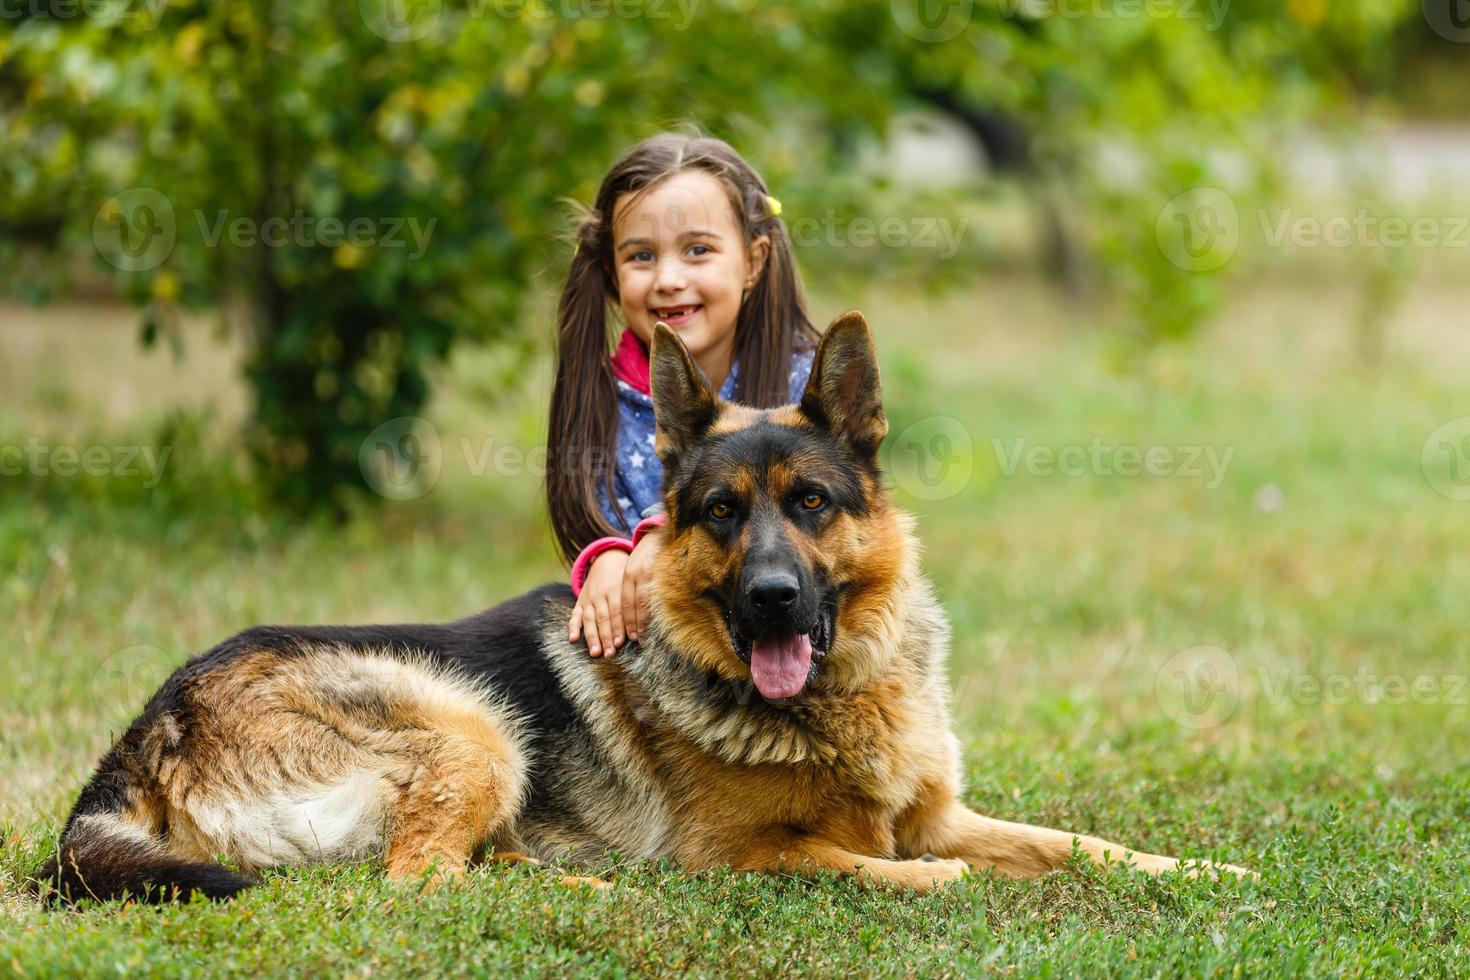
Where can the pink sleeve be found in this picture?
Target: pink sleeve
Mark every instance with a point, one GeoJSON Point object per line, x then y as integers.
{"type": "Point", "coordinates": [589, 554]}
{"type": "Point", "coordinates": [648, 524]}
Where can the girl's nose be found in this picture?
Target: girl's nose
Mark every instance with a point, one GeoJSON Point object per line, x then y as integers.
{"type": "Point", "coordinates": [670, 277]}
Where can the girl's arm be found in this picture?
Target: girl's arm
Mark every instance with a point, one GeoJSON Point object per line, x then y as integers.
{"type": "Point", "coordinates": [648, 541]}
{"type": "Point", "coordinates": [593, 551]}
{"type": "Point", "coordinates": [611, 603]}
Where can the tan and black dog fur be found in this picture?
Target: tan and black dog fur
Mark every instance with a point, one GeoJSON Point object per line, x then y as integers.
{"type": "Point", "coordinates": [427, 744]}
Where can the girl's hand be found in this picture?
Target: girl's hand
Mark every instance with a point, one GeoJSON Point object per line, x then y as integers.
{"type": "Point", "coordinates": [599, 610]}
{"type": "Point", "coordinates": [636, 576]}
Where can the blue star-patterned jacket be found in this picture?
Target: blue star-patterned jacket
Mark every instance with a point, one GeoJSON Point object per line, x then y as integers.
{"type": "Point", "coordinates": [639, 478]}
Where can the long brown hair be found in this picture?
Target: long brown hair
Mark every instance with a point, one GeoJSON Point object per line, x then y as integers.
{"type": "Point", "coordinates": [772, 325]}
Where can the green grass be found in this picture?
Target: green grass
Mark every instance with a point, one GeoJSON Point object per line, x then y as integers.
{"type": "Point", "coordinates": [1323, 552]}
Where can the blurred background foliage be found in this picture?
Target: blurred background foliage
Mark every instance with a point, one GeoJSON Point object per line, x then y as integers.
{"type": "Point", "coordinates": [134, 132]}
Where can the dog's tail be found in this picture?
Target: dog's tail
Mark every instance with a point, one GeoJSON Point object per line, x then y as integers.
{"type": "Point", "coordinates": [114, 846]}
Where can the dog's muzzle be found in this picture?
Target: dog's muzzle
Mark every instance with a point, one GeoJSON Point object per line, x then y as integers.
{"type": "Point", "coordinates": [781, 637]}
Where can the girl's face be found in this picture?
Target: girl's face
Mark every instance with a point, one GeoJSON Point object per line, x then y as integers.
{"type": "Point", "coordinates": [681, 257]}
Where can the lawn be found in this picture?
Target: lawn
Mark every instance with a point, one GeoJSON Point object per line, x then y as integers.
{"type": "Point", "coordinates": [1213, 607]}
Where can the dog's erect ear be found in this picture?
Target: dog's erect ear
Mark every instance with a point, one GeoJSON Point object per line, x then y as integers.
{"type": "Point", "coordinates": [843, 393]}
{"type": "Point", "coordinates": [683, 406]}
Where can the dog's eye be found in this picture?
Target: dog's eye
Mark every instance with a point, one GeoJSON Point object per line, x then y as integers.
{"type": "Point", "coordinates": [720, 512]}
{"type": "Point", "coordinates": [813, 501]}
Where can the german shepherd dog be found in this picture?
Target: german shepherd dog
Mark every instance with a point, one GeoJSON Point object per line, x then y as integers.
{"type": "Point", "coordinates": [786, 708]}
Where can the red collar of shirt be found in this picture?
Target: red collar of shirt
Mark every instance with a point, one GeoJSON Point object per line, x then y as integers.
{"type": "Point", "coordinates": [630, 362]}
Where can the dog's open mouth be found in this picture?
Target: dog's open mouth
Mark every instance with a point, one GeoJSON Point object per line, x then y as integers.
{"type": "Point", "coordinates": [782, 659]}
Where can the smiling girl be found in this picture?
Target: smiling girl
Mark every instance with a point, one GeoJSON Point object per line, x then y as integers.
{"type": "Point", "coordinates": [683, 231]}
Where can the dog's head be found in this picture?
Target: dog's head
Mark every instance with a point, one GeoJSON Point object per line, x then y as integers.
{"type": "Point", "coordinates": [783, 557]}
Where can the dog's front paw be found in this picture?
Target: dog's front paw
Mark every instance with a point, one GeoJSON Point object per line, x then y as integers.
{"type": "Point", "coordinates": [932, 872]}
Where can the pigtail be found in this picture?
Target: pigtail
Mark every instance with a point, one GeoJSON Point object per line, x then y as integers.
{"type": "Point", "coordinates": [773, 322]}
{"type": "Point", "coordinates": [581, 437]}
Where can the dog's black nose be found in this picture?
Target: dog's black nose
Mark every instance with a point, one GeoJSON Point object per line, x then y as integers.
{"type": "Point", "coordinates": [773, 593]}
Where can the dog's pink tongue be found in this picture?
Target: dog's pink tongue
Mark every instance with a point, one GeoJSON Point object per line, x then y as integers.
{"type": "Point", "coordinates": [779, 663]}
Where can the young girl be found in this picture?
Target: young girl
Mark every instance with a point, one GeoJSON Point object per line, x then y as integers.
{"type": "Point", "coordinates": [683, 231]}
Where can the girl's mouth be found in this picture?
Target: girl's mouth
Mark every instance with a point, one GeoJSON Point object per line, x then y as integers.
{"type": "Point", "coordinates": [675, 315]}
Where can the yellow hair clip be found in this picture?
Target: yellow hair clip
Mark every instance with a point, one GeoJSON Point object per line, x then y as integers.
{"type": "Point", "coordinates": [773, 205]}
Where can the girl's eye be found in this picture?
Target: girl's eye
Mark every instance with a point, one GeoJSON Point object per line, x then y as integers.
{"type": "Point", "coordinates": [642, 256]}
{"type": "Point", "coordinates": [813, 501]}
{"type": "Point", "coordinates": [720, 512]}
{"type": "Point", "coordinates": [699, 250]}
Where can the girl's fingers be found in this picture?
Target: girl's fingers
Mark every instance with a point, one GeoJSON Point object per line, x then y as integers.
{"type": "Point", "coordinates": [597, 629]}
{"type": "Point", "coordinates": [574, 625]}
{"type": "Point", "coordinates": [606, 612]}
{"type": "Point", "coordinates": [640, 611]}
{"type": "Point", "coordinates": [615, 621]}
{"type": "Point", "coordinates": [630, 604]}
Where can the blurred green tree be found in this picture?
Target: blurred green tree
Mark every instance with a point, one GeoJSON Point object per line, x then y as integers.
{"type": "Point", "coordinates": [362, 184]}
